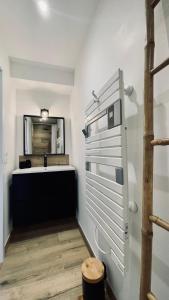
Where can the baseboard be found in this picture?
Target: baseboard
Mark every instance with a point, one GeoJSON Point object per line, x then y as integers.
{"type": "Point", "coordinates": [7, 242]}
{"type": "Point", "coordinates": [108, 288]}
{"type": "Point", "coordinates": [5, 248]}
{"type": "Point", "coordinates": [86, 241]}
{"type": "Point", "coordinates": [110, 292]}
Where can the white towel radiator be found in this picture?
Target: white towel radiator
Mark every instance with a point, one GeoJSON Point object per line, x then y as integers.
{"type": "Point", "coordinates": [106, 168]}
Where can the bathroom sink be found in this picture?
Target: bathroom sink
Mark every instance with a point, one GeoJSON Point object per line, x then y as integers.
{"type": "Point", "coordinates": [44, 169]}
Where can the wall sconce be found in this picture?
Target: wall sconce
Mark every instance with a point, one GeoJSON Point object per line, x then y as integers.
{"type": "Point", "coordinates": [44, 113]}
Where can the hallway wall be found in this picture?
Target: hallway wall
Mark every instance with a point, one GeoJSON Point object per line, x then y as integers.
{"type": "Point", "coordinates": [7, 159]}
{"type": "Point", "coordinates": [117, 39]}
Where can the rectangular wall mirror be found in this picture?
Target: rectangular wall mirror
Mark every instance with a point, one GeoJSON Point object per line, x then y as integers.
{"type": "Point", "coordinates": [44, 136]}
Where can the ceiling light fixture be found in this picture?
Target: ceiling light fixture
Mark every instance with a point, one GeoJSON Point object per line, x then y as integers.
{"type": "Point", "coordinates": [43, 7]}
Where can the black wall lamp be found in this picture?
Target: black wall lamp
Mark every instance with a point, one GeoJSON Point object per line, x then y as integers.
{"type": "Point", "coordinates": [44, 113]}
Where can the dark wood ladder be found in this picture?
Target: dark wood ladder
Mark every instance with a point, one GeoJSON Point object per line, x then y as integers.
{"type": "Point", "coordinates": [148, 219]}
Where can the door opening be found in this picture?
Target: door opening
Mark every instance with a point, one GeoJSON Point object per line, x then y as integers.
{"type": "Point", "coordinates": [1, 171]}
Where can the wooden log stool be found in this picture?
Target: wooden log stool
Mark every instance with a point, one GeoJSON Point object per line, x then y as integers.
{"type": "Point", "coordinates": [93, 276]}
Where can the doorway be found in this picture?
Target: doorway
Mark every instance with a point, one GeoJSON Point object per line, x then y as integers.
{"type": "Point", "coordinates": [1, 171]}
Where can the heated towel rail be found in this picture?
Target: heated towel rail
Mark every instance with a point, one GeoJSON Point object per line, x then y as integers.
{"type": "Point", "coordinates": [106, 168]}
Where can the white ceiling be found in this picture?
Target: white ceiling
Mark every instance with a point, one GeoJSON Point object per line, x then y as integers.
{"type": "Point", "coordinates": [56, 39]}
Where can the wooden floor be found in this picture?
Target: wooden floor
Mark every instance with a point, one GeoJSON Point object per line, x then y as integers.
{"type": "Point", "coordinates": [43, 264]}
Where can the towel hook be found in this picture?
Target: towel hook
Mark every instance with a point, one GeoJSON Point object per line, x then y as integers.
{"type": "Point", "coordinates": [96, 99]}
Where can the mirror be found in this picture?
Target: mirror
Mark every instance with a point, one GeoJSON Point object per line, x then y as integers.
{"type": "Point", "coordinates": [44, 136]}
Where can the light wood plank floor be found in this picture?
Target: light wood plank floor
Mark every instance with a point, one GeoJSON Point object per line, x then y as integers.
{"type": "Point", "coordinates": [43, 266]}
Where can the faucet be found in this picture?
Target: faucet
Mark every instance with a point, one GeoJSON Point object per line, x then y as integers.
{"type": "Point", "coordinates": [45, 162]}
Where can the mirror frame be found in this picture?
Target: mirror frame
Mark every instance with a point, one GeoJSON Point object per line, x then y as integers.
{"type": "Point", "coordinates": [48, 154]}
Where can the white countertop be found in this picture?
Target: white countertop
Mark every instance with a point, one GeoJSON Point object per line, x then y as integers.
{"type": "Point", "coordinates": [43, 169]}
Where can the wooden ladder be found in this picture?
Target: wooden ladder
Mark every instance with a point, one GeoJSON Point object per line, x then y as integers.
{"type": "Point", "coordinates": [148, 219]}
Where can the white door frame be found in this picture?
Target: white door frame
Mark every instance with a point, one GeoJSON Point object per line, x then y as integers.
{"type": "Point", "coordinates": [1, 172]}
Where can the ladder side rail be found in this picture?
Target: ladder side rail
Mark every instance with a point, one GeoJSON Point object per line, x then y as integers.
{"type": "Point", "coordinates": [147, 228]}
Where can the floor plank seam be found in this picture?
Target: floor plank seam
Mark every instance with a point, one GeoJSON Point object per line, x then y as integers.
{"type": "Point", "coordinates": [60, 293]}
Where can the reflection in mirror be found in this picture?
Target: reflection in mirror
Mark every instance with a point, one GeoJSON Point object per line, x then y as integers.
{"type": "Point", "coordinates": [43, 136]}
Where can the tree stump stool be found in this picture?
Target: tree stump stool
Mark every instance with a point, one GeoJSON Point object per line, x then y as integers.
{"type": "Point", "coordinates": [93, 276]}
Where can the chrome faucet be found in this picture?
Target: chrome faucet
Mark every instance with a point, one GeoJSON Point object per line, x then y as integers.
{"type": "Point", "coordinates": [45, 161]}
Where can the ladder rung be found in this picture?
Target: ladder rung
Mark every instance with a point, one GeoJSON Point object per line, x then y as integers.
{"type": "Point", "coordinates": [156, 220]}
{"type": "Point", "coordinates": [150, 296]}
{"type": "Point", "coordinates": [164, 64]}
{"type": "Point", "coordinates": [160, 142]}
{"type": "Point", "coordinates": [154, 3]}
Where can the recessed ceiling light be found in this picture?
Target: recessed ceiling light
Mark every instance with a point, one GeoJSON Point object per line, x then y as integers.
{"type": "Point", "coordinates": [43, 7]}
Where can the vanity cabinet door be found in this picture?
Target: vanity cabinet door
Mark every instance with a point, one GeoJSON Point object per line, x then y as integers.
{"type": "Point", "coordinates": [25, 198]}
{"type": "Point", "coordinates": [60, 188]}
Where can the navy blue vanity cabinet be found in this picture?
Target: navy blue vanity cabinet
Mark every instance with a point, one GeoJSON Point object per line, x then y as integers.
{"type": "Point", "coordinates": [41, 197]}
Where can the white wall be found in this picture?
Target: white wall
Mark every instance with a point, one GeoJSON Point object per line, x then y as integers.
{"type": "Point", "coordinates": [7, 152]}
{"type": "Point", "coordinates": [25, 69]}
{"type": "Point", "coordinates": [1, 172]}
{"type": "Point", "coordinates": [117, 39]}
{"type": "Point", "coordinates": [30, 102]}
